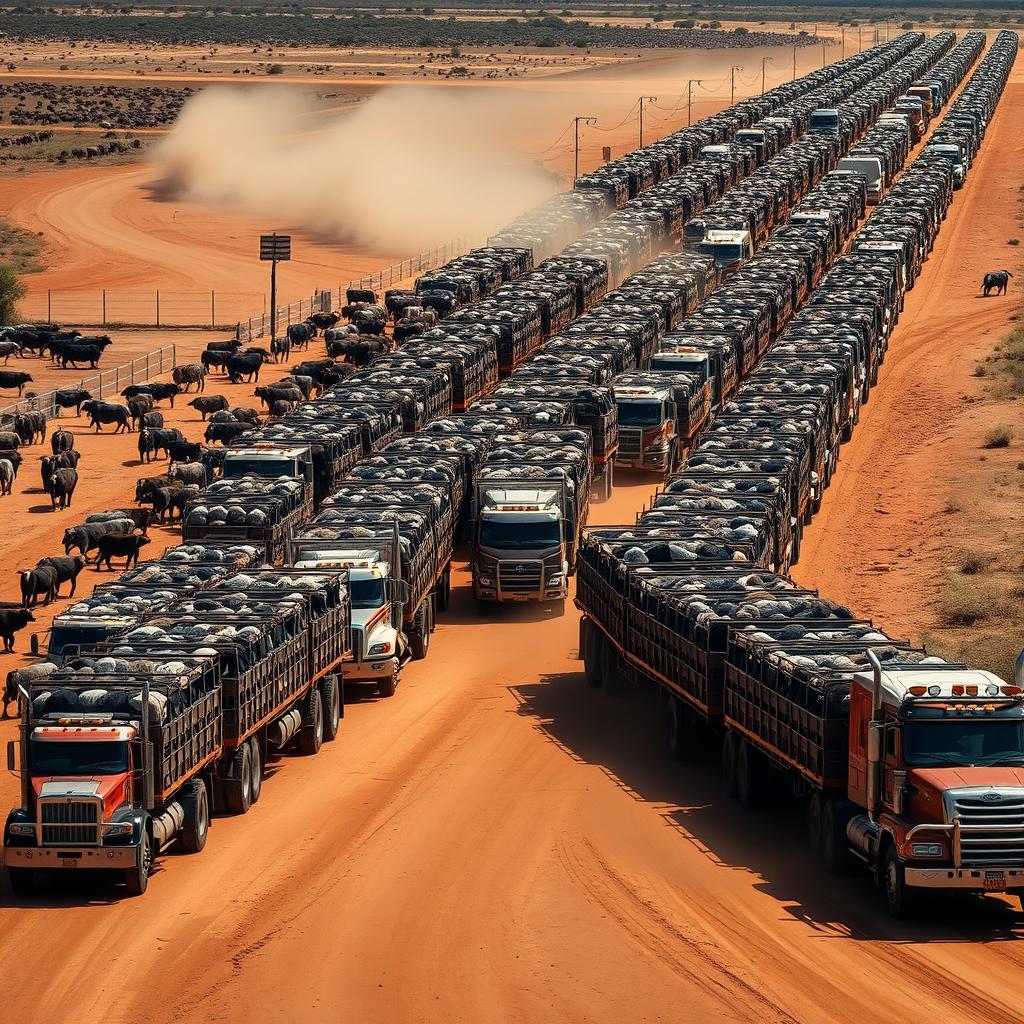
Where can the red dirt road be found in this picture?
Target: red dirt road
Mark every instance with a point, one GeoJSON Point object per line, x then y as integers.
{"type": "Point", "coordinates": [499, 844]}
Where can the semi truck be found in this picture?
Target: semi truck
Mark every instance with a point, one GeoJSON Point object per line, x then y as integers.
{"type": "Point", "coordinates": [128, 748]}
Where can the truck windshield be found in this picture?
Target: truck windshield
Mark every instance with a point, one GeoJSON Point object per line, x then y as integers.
{"type": "Point", "coordinates": [682, 362]}
{"type": "Point", "coordinates": [516, 535]}
{"type": "Point", "coordinates": [723, 252]}
{"type": "Point", "coordinates": [367, 593]}
{"type": "Point", "coordinates": [66, 641]}
{"type": "Point", "coordinates": [102, 757]}
{"type": "Point", "coordinates": [825, 119]}
{"type": "Point", "coordinates": [242, 466]}
{"type": "Point", "coordinates": [961, 742]}
{"type": "Point", "coordinates": [640, 414]}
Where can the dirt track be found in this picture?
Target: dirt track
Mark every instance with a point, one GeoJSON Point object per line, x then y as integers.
{"type": "Point", "coordinates": [498, 843]}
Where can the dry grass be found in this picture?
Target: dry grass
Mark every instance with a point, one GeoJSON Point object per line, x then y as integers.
{"type": "Point", "coordinates": [998, 437]}
{"type": "Point", "coordinates": [20, 249]}
{"type": "Point", "coordinates": [1006, 365]}
{"type": "Point", "coordinates": [965, 602]}
{"type": "Point", "coordinates": [974, 562]}
{"type": "Point", "coordinates": [992, 651]}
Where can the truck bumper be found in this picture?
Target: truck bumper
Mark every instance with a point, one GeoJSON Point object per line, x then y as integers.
{"type": "Point", "coordinates": [369, 671]}
{"type": "Point", "coordinates": [76, 858]}
{"type": "Point", "coordinates": [993, 879]}
{"type": "Point", "coordinates": [649, 462]}
{"type": "Point", "coordinates": [510, 597]}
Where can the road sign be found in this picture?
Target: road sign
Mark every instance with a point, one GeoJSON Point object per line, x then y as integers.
{"type": "Point", "coordinates": [275, 247]}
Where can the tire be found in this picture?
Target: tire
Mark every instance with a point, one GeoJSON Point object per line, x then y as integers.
{"type": "Point", "coordinates": [899, 898]}
{"type": "Point", "coordinates": [238, 786]}
{"type": "Point", "coordinates": [255, 769]}
{"type": "Point", "coordinates": [311, 735]}
{"type": "Point", "coordinates": [813, 821]}
{"type": "Point", "coordinates": [196, 804]}
{"type": "Point", "coordinates": [611, 680]}
{"type": "Point", "coordinates": [728, 762]}
{"type": "Point", "coordinates": [387, 687]}
{"type": "Point", "coordinates": [419, 638]}
{"type": "Point", "coordinates": [835, 849]}
{"type": "Point", "coordinates": [589, 641]}
{"type": "Point", "coordinates": [679, 728]}
{"type": "Point", "coordinates": [136, 879]}
{"type": "Point", "coordinates": [21, 881]}
{"type": "Point", "coordinates": [330, 699]}
{"type": "Point", "coordinates": [444, 591]}
{"type": "Point", "coordinates": [750, 776]}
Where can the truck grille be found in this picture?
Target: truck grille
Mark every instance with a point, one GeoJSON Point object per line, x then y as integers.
{"type": "Point", "coordinates": [70, 822]}
{"type": "Point", "coordinates": [520, 577]}
{"type": "Point", "coordinates": [630, 443]}
{"type": "Point", "coordinates": [1002, 842]}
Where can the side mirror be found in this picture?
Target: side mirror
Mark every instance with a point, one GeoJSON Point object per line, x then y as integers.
{"type": "Point", "coordinates": [12, 757]}
{"type": "Point", "coordinates": [899, 791]}
{"type": "Point", "coordinates": [401, 591]}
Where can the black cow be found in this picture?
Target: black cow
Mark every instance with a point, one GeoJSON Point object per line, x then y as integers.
{"type": "Point", "coordinates": [86, 536]}
{"type": "Point", "coordinates": [189, 374]}
{"type": "Point", "coordinates": [997, 279]}
{"type": "Point", "coordinates": [67, 568]}
{"type": "Point", "coordinates": [358, 295]}
{"type": "Point", "coordinates": [61, 441]}
{"type": "Point", "coordinates": [62, 487]}
{"type": "Point", "coordinates": [315, 368]}
{"type": "Point", "coordinates": [152, 442]}
{"type": "Point", "coordinates": [140, 518]}
{"type": "Point", "coordinates": [113, 546]}
{"type": "Point", "coordinates": [40, 581]}
{"type": "Point", "coordinates": [71, 398]}
{"type": "Point", "coordinates": [224, 346]}
{"type": "Point", "coordinates": [30, 426]}
{"type": "Point", "coordinates": [6, 476]}
{"type": "Point", "coordinates": [246, 415]}
{"type": "Point", "coordinates": [321, 321]}
{"type": "Point", "coordinates": [205, 404]}
{"type": "Point", "coordinates": [8, 349]}
{"type": "Point", "coordinates": [15, 379]}
{"type": "Point", "coordinates": [153, 420]}
{"type": "Point", "coordinates": [305, 384]}
{"type": "Point", "coordinates": [270, 393]}
{"type": "Point", "coordinates": [189, 473]}
{"type": "Point", "coordinates": [281, 348]}
{"type": "Point", "coordinates": [224, 433]}
{"type": "Point", "coordinates": [138, 406]}
{"type": "Point", "coordinates": [213, 359]}
{"type": "Point", "coordinates": [247, 364]}
{"type": "Point", "coordinates": [9, 441]}
{"type": "Point", "coordinates": [300, 335]}
{"type": "Point", "coordinates": [11, 621]}
{"type": "Point", "coordinates": [160, 391]}
{"type": "Point", "coordinates": [74, 355]}
{"type": "Point", "coordinates": [185, 451]}
{"type": "Point", "coordinates": [147, 485]}
{"type": "Point", "coordinates": [108, 412]}
{"type": "Point", "coordinates": [49, 464]}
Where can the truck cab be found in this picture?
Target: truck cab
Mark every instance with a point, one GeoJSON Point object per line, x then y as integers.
{"type": "Point", "coordinates": [647, 428]}
{"type": "Point", "coordinates": [379, 645]}
{"type": "Point", "coordinates": [824, 121]}
{"type": "Point", "coordinates": [868, 167]}
{"type": "Point", "coordinates": [936, 767]}
{"type": "Point", "coordinates": [519, 541]}
{"type": "Point", "coordinates": [952, 154]}
{"type": "Point", "coordinates": [729, 249]}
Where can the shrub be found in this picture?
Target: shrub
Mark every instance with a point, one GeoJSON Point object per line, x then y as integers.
{"type": "Point", "coordinates": [275, 69]}
{"type": "Point", "coordinates": [964, 604]}
{"type": "Point", "coordinates": [12, 291]}
{"type": "Point", "coordinates": [973, 562]}
{"type": "Point", "coordinates": [998, 437]}
{"type": "Point", "coordinates": [1013, 241]}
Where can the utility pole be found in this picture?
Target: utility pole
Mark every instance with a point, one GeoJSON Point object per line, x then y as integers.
{"type": "Point", "coordinates": [824, 59]}
{"type": "Point", "coordinates": [732, 92]}
{"type": "Point", "coordinates": [649, 99]}
{"type": "Point", "coordinates": [764, 61]}
{"type": "Point", "coordinates": [585, 120]}
{"type": "Point", "coordinates": [689, 99]}
{"type": "Point", "coordinates": [843, 30]}
{"type": "Point", "coordinates": [860, 38]}
{"type": "Point", "coordinates": [794, 63]}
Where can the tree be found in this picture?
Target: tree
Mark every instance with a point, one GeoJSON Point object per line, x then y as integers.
{"type": "Point", "coordinates": [456, 51]}
{"type": "Point", "coordinates": [12, 291]}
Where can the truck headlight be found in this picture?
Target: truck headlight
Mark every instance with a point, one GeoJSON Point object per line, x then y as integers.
{"type": "Point", "coordinates": [926, 850]}
{"type": "Point", "coordinates": [22, 828]}
{"type": "Point", "coordinates": [485, 581]}
{"type": "Point", "coordinates": [379, 649]}
{"type": "Point", "coordinates": [557, 580]}
{"type": "Point", "coordinates": [119, 828]}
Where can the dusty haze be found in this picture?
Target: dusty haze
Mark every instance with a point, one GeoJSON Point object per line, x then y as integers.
{"type": "Point", "coordinates": [404, 169]}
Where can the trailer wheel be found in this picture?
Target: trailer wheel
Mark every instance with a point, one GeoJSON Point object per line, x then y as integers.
{"type": "Point", "coordinates": [751, 782]}
{"type": "Point", "coordinates": [835, 850]}
{"type": "Point", "coordinates": [729, 744]}
{"type": "Point", "coordinates": [899, 897]}
{"type": "Point", "coordinates": [238, 785]}
{"type": "Point", "coordinates": [20, 880]}
{"type": "Point", "coordinates": [419, 636]}
{"type": "Point", "coordinates": [196, 805]}
{"type": "Point", "coordinates": [311, 735]}
{"type": "Point", "coordinates": [136, 879]}
{"type": "Point", "coordinates": [330, 698]}
{"type": "Point", "coordinates": [444, 591]}
{"type": "Point", "coordinates": [680, 730]}
{"type": "Point", "coordinates": [255, 769]}
{"type": "Point", "coordinates": [588, 642]}
{"type": "Point", "coordinates": [611, 680]}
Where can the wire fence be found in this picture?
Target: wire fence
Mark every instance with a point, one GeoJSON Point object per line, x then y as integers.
{"type": "Point", "coordinates": [251, 328]}
{"type": "Point", "coordinates": [105, 383]}
{"type": "Point", "coordinates": [109, 307]}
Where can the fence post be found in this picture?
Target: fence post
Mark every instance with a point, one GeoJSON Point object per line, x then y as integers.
{"type": "Point", "coordinates": [158, 307]}
{"type": "Point", "coordinates": [104, 316]}
{"type": "Point", "coordinates": [49, 314]}
{"type": "Point", "coordinates": [213, 308]}
{"type": "Point", "coordinates": [117, 378]}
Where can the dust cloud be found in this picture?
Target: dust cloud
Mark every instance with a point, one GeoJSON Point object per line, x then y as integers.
{"type": "Point", "coordinates": [403, 170]}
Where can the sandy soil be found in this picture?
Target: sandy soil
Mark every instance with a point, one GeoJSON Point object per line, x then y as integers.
{"type": "Point", "coordinates": [499, 844]}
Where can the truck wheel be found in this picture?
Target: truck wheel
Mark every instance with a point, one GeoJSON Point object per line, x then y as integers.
{"type": "Point", "coordinates": [750, 776]}
{"type": "Point", "coordinates": [136, 879]}
{"type": "Point", "coordinates": [588, 652]}
{"type": "Point", "coordinates": [835, 850]}
{"type": "Point", "coordinates": [729, 743]}
{"type": "Point", "coordinates": [899, 898]}
{"type": "Point", "coordinates": [330, 699]}
{"type": "Point", "coordinates": [419, 638]}
{"type": "Point", "coordinates": [387, 687]}
{"type": "Point", "coordinates": [611, 680]}
{"type": "Point", "coordinates": [311, 735]}
{"type": "Point", "coordinates": [255, 769]}
{"type": "Point", "coordinates": [196, 828]}
{"type": "Point", "coordinates": [444, 591]}
{"type": "Point", "coordinates": [238, 786]}
{"type": "Point", "coordinates": [20, 880]}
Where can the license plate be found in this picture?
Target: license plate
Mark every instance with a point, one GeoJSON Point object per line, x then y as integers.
{"type": "Point", "coordinates": [995, 881]}
{"type": "Point", "coordinates": [520, 597]}
{"type": "Point", "coordinates": [69, 862]}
